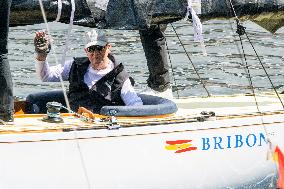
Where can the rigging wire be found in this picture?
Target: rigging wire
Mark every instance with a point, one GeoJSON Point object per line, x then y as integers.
{"type": "Point", "coordinates": [268, 76]}
{"type": "Point", "coordinates": [171, 64]}
{"type": "Point", "coordinates": [270, 152]}
{"type": "Point", "coordinates": [245, 62]}
{"type": "Point", "coordinates": [248, 74]}
{"type": "Point", "coordinates": [60, 77]}
{"type": "Point", "coordinates": [187, 54]}
{"type": "Point", "coordinates": [238, 48]}
{"type": "Point", "coordinates": [241, 31]}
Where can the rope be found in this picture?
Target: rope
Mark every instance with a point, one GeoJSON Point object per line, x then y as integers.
{"type": "Point", "coordinates": [66, 49]}
{"type": "Point", "coordinates": [150, 13]}
{"type": "Point", "coordinates": [197, 26]}
{"type": "Point", "coordinates": [61, 80]}
{"type": "Point", "coordinates": [53, 51]}
{"type": "Point", "coordinates": [187, 54]}
{"type": "Point", "coordinates": [87, 119]}
{"type": "Point", "coordinates": [59, 10]}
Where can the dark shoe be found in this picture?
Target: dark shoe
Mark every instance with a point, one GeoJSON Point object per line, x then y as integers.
{"type": "Point", "coordinates": [7, 117]}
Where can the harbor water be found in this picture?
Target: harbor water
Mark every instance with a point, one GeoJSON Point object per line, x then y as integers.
{"type": "Point", "coordinates": [222, 71]}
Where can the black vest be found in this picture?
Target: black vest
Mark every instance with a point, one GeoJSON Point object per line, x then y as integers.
{"type": "Point", "coordinates": [104, 92]}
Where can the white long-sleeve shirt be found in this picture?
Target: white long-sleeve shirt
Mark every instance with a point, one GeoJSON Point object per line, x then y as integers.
{"type": "Point", "coordinates": [52, 74]}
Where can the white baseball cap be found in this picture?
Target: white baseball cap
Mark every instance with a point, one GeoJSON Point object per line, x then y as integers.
{"type": "Point", "coordinates": [95, 37]}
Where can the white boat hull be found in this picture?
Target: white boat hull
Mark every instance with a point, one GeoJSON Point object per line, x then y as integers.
{"type": "Point", "coordinates": [229, 154]}
{"type": "Point", "coordinates": [231, 151]}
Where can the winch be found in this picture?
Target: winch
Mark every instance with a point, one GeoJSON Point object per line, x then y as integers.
{"type": "Point", "coordinates": [53, 113]}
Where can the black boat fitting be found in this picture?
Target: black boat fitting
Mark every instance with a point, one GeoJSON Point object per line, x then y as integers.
{"type": "Point", "coordinates": [53, 113]}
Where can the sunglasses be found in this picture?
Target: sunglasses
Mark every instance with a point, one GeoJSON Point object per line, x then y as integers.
{"type": "Point", "coordinates": [94, 48]}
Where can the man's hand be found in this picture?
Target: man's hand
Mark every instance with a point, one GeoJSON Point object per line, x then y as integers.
{"type": "Point", "coordinates": [42, 45]}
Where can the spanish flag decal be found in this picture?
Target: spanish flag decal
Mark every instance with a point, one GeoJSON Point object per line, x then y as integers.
{"type": "Point", "coordinates": [180, 146]}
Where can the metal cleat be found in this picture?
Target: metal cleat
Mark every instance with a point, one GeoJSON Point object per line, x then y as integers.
{"type": "Point", "coordinates": [206, 116]}
{"type": "Point", "coordinates": [113, 123]}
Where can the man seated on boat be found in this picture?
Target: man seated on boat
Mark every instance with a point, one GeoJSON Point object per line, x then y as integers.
{"type": "Point", "coordinates": [95, 81]}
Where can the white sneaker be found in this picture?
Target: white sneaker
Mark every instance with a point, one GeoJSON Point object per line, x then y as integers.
{"type": "Point", "coordinates": [167, 94]}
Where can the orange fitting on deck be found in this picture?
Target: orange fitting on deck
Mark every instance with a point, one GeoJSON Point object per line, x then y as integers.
{"type": "Point", "coordinates": [85, 112]}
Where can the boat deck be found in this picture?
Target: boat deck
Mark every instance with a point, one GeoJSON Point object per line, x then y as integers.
{"type": "Point", "coordinates": [227, 105]}
{"type": "Point", "coordinates": [224, 107]}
